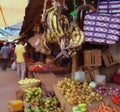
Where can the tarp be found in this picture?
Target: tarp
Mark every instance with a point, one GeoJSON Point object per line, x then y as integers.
{"type": "Point", "coordinates": [12, 11]}
{"type": "Point", "coordinates": [9, 38]}
{"type": "Point", "coordinates": [5, 36]}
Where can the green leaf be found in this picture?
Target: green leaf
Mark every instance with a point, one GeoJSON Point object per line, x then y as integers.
{"type": "Point", "coordinates": [74, 13]}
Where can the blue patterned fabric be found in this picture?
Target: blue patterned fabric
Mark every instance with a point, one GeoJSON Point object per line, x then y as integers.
{"type": "Point", "coordinates": [109, 6]}
{"type": "Point", "coordinates": [102, 28]}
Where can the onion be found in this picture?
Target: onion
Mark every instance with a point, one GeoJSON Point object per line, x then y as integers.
{"type": "Point", "coordinates": [107, 90]}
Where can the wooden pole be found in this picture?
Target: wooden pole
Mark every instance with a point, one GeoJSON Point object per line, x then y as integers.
{"type": "Point", "coordinates": [3, 16]}
{"type": "Point", "coordinates": [74, 66]}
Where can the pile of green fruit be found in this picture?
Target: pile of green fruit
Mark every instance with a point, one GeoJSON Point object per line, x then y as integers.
{"type": "Point", "coordinates": [29, 81]}
{"type": "Point", "coordinates": [43, 105]}
{"type": "Point", "coordinates": [82, 107]}
{"type": "Point", "coordinates": [51, 103]}
{"type": "Point", "coordinates": [59, 109]}
{"type": "Point", "coordinates": [33, 94]}
{"type": "Point", "coordinates": [35, 101]}
{"type": "Point", "coordinates": [36, 109]}
{"type": "Point", "coordinates": [41, 109]}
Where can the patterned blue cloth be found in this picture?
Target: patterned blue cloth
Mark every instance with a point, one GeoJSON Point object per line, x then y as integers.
{"type": "Point", "coordinates": [109, 6]}
{"type": "Point", "coordinates": [102, 28]}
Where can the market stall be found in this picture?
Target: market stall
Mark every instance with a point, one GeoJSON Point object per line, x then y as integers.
{"type": "Point", "coordinates": [68, 105]}
{"type": "Point", "coordinates": [87, 47]}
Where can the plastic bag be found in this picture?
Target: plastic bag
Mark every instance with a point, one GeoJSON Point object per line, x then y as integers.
{"type": "Point", "coordinates": [14, 66]}
{"type": "Point", "coordinates": [100, 79]}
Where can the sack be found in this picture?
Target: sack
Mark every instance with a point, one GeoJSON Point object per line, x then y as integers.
{"type": "Point", "coordinates": [42, 46]}
{"type": "Point", "coordinates": [102, 28]}
{"type": "Point", "coordinates": [100, 79]}
{"type": "Point", "coordinates": [35, 40]}
{"type": "Point", "coordinates": [38, 41]}
{"type": "Point", "coordinates": [109, 6]}
{"type": "Point", "coordinates": [14, 66]}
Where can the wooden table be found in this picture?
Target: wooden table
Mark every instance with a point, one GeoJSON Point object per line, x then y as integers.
{"type": "Point", "coordinates": [68, 107]}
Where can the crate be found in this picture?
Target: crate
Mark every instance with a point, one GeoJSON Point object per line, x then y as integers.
{"type": "Point", "coordinates": [92, 57]}
{"type": "Point", "coordinates": [108, 58]}
{"type": "Point", "coordinates": [90, 72]}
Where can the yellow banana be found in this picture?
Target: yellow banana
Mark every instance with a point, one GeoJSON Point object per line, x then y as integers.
{"type": "Point", "coordinates": [77, 37]}
{"type": "Point", "coordinates": [56, 25]}
{"type": "Point", "coordinates": [49, 22]}
{"type": "Point", "coordinates": [48, 34]}
{"type": "Point", "coordinates": [64, 20]}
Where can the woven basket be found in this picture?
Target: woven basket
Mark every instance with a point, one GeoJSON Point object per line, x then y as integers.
{"type": "Point", "coordinates": [25, 86]}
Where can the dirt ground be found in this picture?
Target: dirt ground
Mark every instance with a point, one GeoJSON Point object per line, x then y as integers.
{"type": "Point", "coordinates": [8, 88]}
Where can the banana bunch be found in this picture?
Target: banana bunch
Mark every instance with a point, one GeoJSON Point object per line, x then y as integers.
{"type": "Point", "coordinates": [76, 37]}
{"type": "Point", "coordinates": [50, 29]}
{"type": "Point", "coordinates": [57, 24]}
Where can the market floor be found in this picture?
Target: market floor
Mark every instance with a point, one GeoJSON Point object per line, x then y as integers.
{"type": "Point", "coordinates": [8, 88]}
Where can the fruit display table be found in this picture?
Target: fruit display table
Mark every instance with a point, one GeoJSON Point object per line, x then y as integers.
{"type": "Point", "coordinates": [38, 68]}
{"type": "Point", "coordinates": [68, 107]}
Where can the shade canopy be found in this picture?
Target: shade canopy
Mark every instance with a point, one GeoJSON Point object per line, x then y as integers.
{"type": "Point", "coordinates": [12, 11]}
{"type": "Point", "coordinates": [9, 38]}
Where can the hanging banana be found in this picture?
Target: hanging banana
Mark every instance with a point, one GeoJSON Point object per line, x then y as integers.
{"type": "Point", "coordinates": [54, 23]}
{"type": "Point", "coordinates": [56, 26]}
{"type": "Point", "coordinates": [76, 38]}
{"type": "Point", "coordinates": [49, 22]}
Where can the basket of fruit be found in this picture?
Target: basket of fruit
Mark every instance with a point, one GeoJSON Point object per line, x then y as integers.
{"type": "Point", "coordinates": [28, 82]}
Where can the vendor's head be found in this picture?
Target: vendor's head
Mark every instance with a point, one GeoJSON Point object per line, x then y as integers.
{"type": "Point", "coordinates": [21, 42]}
{"type": "Point", "coordinates": [5, 43]}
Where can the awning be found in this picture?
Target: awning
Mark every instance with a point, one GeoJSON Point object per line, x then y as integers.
{"type": "Point", "coordinates": [9, 38]}
{"type": "Point", "coordinates": [12, 11]}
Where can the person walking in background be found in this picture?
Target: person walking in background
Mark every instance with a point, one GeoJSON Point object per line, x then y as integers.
{"type": "Point", "coordinates": [19, 54]}
{"type": "Point", "coordinates": [5, 53]}
{"type": "Point", "coordinates": [12, 48]}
